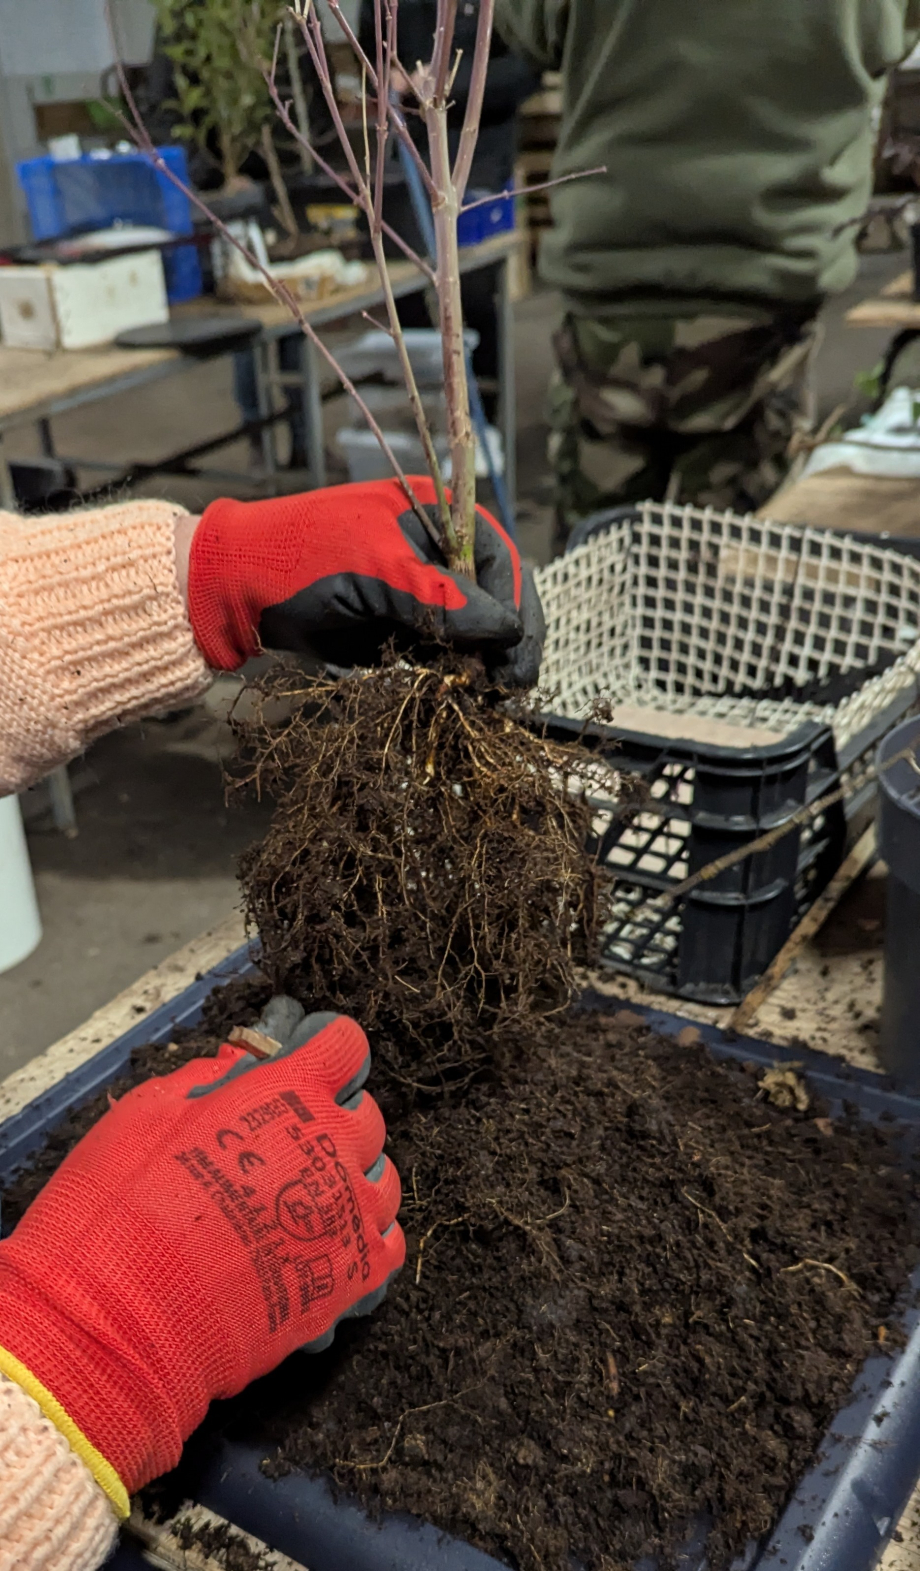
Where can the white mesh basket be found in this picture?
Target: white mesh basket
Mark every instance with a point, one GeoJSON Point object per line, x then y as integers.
{"type": "Point", "coordinates": [679, 609]}
{"type": "Point", "coordinates": [728, 644]}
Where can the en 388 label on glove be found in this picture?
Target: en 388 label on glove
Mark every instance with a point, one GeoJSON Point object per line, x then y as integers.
{"type": "Point", "coordinates": [276, 1177]}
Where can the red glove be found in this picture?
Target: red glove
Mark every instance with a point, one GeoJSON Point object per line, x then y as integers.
{"type": "Point", "coordinates": [207, 1226]}
{"type": "Point", "coordinates": [338, 572]}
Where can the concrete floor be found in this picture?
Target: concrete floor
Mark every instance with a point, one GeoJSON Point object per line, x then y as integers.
{"type": "Point", "coordinates": [153, 863]}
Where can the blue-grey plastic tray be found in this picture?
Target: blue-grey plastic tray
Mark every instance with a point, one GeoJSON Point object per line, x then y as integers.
{"type": "Point", "coordinates": [842, 1512]}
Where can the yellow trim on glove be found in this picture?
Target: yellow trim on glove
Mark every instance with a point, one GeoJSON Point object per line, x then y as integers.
{"type": "Point", "coordinates": [102, 1471]}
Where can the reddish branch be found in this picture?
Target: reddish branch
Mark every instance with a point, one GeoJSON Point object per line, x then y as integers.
{"type": "Point", "coordinates": [363, 184]}
{"type": "Point", "coordinates": [143, 141]}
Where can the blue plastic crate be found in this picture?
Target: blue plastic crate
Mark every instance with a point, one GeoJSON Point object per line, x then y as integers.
{"type": "Point", "coordinates": [492, 218]}
{"type": "Point", "coordinates": [79, 194]}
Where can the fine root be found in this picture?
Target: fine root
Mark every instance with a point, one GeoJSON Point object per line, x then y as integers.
{"type": "Point", "coordinates": [427, 867]}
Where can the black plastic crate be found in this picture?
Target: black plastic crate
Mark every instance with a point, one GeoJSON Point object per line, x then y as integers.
{"type": "Point", "coordinates": [809, 638]}
{"type": "Point", "coordinates": [840, 1515]}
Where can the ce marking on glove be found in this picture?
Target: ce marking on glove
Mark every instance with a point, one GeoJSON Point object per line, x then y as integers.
{"type": "Point", "coordinates": [246, 1160]}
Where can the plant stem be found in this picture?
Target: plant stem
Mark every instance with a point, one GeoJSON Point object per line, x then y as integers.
{"type": "Point", "coordinates": [371, 201]}
{"type": "Point", "coordinates": [470, 133]}
{"type": "Point", "coordinates": [284, 210]}
{"type": "Point", "coordinates": [307, 147]}
{"type": "Point", "coordinates": [143, 141]}
{"type": "Point", "coordinates": [398, 119]}
{"type": "Point", "coordinates": [462, 534]}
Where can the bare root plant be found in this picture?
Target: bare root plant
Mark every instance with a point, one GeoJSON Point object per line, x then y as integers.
{"type": "Point", "coordinates": [427, 865]}
{"type": "Point", "coordinates": [445, 181]}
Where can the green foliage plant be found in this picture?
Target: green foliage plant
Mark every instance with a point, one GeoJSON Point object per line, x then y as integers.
{"type": "Point", "coordinates": [217, 48]}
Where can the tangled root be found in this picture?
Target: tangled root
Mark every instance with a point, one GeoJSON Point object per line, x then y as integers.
{"type": "Point", "coordinates": [427, 867]}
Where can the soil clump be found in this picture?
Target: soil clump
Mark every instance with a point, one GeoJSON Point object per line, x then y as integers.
{"type": "Point", "coordinates": [636, 1293]}
{"type": "Point", "coordinates": [220, 1543]}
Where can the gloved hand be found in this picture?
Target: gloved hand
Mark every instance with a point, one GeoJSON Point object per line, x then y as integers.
{"type": "Point", "coordinates": [211, 1223]}
{"type": "Point", "coordinates": [338, 572]}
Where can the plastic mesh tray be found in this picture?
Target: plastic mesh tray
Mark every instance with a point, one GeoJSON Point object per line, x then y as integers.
{"type": "Point", "coordinates": [840, 1515]}
{"type": "Point", "coordinates": [756, 666]}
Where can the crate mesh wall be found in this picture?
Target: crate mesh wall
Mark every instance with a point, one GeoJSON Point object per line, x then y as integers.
{"type": "Point", "coordinates": [683, 609]}
{"type": "Point", "coordinates": [686, 607]}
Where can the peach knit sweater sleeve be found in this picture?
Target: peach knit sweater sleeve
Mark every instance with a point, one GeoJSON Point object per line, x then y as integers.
{"type": "Point", "coordinates": [93, 632]}
{"type": "Point", "coordinates": [53, 1514]}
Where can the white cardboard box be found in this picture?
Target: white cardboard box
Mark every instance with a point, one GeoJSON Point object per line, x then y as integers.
{"type": "Point", "coordinates": [54, 307]}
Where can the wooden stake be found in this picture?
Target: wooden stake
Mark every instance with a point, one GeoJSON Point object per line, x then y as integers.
{"type": "Point", "coordinates": [862, 855]}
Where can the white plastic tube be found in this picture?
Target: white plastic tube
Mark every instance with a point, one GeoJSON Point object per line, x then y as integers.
{"type": "Point", "coordinates": [20, 923]}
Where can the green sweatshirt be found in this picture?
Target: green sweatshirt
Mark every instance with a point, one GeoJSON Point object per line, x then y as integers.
{"type": "Point", "coordinates": [736, 134]}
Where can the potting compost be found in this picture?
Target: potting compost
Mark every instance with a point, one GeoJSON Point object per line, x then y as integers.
{"type": "Point", "coordinates": [639, 1285]}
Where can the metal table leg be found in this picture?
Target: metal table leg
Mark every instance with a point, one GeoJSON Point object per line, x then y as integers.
{"type": "Point", "coordinates": [46, 438]}
{"type": "Point", "coordinates": [7, 489]}
{"type": "Point", "coordinates": [313, 414]}
{"type": "Point", "coordinates": [261, 352]}
{"type": "Point", "coordinates": [507, 387]}
{"type": "Point", "coordinates": [62, 808]}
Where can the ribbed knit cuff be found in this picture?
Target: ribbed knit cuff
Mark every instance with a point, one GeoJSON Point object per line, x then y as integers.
{"type": "Point", "coordinates": [53, 1514]}
{"type": "Point", "coordinates": [93, 632]}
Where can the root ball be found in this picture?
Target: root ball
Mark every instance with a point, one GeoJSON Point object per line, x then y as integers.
{"type": "Point", "coordinates": [427, 868]}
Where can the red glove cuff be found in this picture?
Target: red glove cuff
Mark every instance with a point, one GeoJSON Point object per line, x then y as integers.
{"type": "Point", "coordinates": [244, 557]}
{"type": "Point", "coordinates": [133, 1412]}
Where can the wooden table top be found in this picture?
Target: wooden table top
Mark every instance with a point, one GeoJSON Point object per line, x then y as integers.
{"type": "Point", "coordinates": [404, 276]}
{"type": "Point", "coordinates": [894, 307]}
{"type": "Point", "coordinates": [33, 381]}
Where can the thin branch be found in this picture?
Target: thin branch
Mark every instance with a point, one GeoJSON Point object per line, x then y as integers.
{"type": "Point", "coordinates": [277, 47]}
{"type": "Point", "coordinates": [312, 31]}
{"type": "Point", "coordinates": [443, 44]}
{"type": "Point", "coordinates": [380, 326]}
{"type": "Point", "coordinates": [358, 52]}
{"type": "Point", "coordinates": [284, 114]}
{"type": "Point", "coordinates": [142, 140]}
{"type": "Point", "coordinates": [284, 209]}
{"type": "Point", "coordinates": [470, 133]}
{"type": "Point", "coordinates": [453, 75]}
{"type": "Point", "coordinates": [385, 51]}
{"type": "Point", "coordinates": [368, 177]}
{"type": "Point", "coordinates": [396, 116]}
{"type": "Point", "coordinates": [526, 190]}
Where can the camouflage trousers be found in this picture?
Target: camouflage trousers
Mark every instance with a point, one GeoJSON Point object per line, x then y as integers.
{"type": "Point", "coordinates": [688, 408]}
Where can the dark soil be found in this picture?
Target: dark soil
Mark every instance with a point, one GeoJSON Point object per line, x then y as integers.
{"type": "Point", "coordinates": [636, 1293]}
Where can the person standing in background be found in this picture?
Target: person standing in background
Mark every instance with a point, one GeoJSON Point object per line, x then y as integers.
{"type": "Point", "coordinates": [737, 140]}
